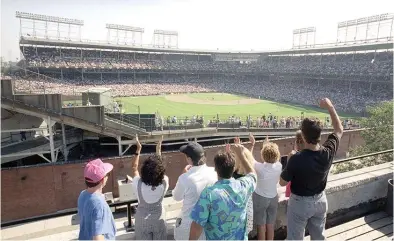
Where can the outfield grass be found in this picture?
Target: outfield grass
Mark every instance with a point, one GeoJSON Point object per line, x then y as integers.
{"type": "Point", "coordinates": [153, 104]}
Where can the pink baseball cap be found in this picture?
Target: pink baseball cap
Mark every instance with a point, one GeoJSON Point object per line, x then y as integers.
{"type": "Point", "coordinates": [96, 170]}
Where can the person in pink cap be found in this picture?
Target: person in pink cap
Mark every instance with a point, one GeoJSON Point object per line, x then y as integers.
{"type": "Point", "coordinates": [96, 219]}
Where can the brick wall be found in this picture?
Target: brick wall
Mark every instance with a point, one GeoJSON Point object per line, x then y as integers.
{"type": "Point", "coordinates": [33, 191]}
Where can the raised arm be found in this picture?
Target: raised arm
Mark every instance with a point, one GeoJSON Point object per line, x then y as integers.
{"type": "Point", "coordinates": [336, 122]}
{"type": "Point", "coordinates": [244, 156]}
{"type": "Point", "coordinates": [252, 142]}
{"type": "Point", "coordinates": [136, 159]}
{"type": "Point", "coordinates": [158, 146]}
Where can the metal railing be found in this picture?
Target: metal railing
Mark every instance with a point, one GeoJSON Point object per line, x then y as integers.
{"type": "Point", "coordinates": [363, 156]}
{"type": "Point", "coordinates": [218, 121]}
{"type": "Point", "coordinates": [129, 203]}
{"type": "Point", "coordinates": [124, 125]}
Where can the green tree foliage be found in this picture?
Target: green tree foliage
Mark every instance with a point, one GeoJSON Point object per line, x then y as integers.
{"type": "Point", "coordinates": [378, 137]}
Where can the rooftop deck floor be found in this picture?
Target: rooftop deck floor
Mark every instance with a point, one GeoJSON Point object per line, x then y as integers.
{"type": "Point", "coordinates": [377, 226]}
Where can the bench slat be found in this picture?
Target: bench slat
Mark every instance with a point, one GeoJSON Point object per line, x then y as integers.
{"type": "Point", "coordinates": [352, 224]}
{"type": "Point", "coordinates": [364, 229]}
{"type": "Point", "coordinates": [378, 233]}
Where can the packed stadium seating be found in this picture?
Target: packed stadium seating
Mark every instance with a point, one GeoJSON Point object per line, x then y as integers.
{"type": "Point", "coordinates": [354, 79]}
{"type": "Point", "coordinates": [374, 65]}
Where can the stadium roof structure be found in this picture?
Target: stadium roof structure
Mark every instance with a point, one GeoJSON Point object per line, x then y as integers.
{"type": "Point", "coordinates": [326, 48]}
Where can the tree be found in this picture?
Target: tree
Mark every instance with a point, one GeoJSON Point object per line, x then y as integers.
{"type": "Point", "coordinates": [379, 133]}
{"type": "Point", "coordinates": [378, 136]}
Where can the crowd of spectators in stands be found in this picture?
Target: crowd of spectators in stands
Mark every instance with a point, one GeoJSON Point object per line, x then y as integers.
{"type": "Point", "coordinates": [226, 201]}
{"type": "Point", "coordinates": [355, 80]}
{"type": "Point", "coordinates": [351, 96]}
{"type": "Point", "coordinates": [263, 121]}
{"type": "Point", "coordinates": [373, 65]}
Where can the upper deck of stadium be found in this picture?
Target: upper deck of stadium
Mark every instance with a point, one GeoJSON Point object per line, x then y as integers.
{"type": "Point", "coordinates": [317, 49]}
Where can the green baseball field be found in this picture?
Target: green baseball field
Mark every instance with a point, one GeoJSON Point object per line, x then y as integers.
{"type": "Point", "coordinates": [212, 104]}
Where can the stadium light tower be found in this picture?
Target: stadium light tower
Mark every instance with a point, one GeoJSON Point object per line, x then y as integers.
{"type": "Point", "coordinates": [367, 29]}
{"type": "Point", "coordinates": [165, 39]}
{"type": "Point", "coordinates": [38, 25]}
{"type": "Point", "coordinates": [122, 34]}
{"type": "Point", "coordinates": [301, 37]}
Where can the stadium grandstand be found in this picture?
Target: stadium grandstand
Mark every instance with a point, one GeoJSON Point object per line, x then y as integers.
{"type": "Point", "coordinates": [60, 109]}
{"type": "Point", "coordinates": [363, 73]}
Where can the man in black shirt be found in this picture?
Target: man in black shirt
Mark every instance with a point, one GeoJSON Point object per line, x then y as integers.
{"type": "Point", "coordinates": [308, 171]}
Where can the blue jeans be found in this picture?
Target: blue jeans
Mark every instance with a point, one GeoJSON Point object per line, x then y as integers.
{"type": "Point", "coordinates": [307, 212]}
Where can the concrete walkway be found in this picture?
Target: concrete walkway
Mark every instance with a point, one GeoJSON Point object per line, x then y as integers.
{"type": "Point", "coordinates": [67, 227]}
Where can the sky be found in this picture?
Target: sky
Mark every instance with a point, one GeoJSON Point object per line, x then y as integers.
{"type": "Point", "coordinates": [201, 24]}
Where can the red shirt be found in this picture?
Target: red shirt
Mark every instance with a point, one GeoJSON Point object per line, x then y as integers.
{"type": "Point", "coordinates": [288, 191]}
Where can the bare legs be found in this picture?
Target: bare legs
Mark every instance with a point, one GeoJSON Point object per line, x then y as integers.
{"type": "Point", "coordinates": [270, 231]}
{"type": "Point", "coordinates": [265, 232]}
{"type": "Point", "coordinates": [261, 232]}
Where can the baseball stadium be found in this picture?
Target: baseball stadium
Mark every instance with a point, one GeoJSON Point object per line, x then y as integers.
{"type": "Point", "coordinates": [70, 100]}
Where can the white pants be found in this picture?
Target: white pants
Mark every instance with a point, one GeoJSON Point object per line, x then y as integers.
{"type": "Point", "coordinates": [182, 231]}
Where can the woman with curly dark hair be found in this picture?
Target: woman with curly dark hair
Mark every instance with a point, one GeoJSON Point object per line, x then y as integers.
{"type": "Point", "coordinates": [150, 188]}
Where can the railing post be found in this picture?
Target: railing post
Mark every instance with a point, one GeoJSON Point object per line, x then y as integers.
{"type": "Point", "coordinates": [217, 121]}
{"type": "Point", "coordinates": [45, 96]}
{"type": "Point", "coordinates": [129, 226]}
{"type": "Point", "coordinates": [119, 138]}
{"type": "Point", "coordinates": [139, 116]}
{"type": "Point", "coordinates": [51, 144]}
{"type": "Point", "coordinates": [65, 152]}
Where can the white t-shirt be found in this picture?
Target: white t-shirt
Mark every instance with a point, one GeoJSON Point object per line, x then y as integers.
{"type": "Point", "coordinates": [149, 195]}
{"type": "Point", "coordinates": [191, 184]}
{"type": "Point", "coordinates": [268, 175]}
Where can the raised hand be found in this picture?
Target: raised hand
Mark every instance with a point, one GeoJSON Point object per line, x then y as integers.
{"type": "Point", "coordinates": [251, 139]}
{"type": "Point", "coordinates": [325, 103]}
{"type": "Point", "coordinates": [266, 140]}
{"type": "Point", "coordinates": [237, 148]}
{"type": "Point", "coordinates": [160, 141]}
{"type": "Point", "coordinates": [237, 140]}
{"type": "Point", "coordinates": [228, 148]}
{"type": "Point", "coordinates": [138, 144]}
{"type": "Point", "coordinates": [158, 146]}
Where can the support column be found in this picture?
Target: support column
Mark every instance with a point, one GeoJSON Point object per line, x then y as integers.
{"type": "Point", "coordinates": [65, 151]}
{"type": "Point", "coordinates": [51, 144]}
{"type": "Point", "coordinates": [119, 138]}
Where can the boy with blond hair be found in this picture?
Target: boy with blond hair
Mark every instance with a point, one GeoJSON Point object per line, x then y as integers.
{"type": "Point", "coordinates": [265, 197]}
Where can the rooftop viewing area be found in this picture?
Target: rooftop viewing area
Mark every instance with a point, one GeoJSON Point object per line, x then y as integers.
{"type": "Point", "coordinates": [357, 210]}
{"type": "Point", "coordinates": [172, 133]}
